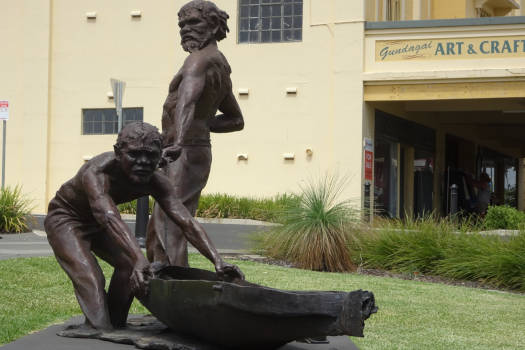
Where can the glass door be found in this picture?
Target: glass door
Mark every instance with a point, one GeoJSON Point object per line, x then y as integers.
{"type": "Point", "coordinates": [386, 177]}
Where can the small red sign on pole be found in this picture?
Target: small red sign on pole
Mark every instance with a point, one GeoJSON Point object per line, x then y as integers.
{"type": "Point", "coordinates": [4, 110]}
{"type": "Point", "coordinates": [369, 159]}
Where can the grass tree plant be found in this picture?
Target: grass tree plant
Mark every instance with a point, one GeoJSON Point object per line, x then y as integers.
{"type": "Point", "coordinates": [315, 230]}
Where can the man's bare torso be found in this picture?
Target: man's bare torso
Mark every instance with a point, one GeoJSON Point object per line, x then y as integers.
{"type": "Point", "coordinates": [211, 62]}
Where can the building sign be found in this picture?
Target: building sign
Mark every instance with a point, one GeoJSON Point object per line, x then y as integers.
{"type": "Point", "coordinates": [450, 49]}
{"type": "Point", "coordinates": [369, 159]}
{"type": "Point", "coordinates": [4, 110]}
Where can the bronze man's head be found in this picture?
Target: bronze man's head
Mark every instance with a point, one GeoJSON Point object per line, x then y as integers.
{"type": "Point", "coordinates": [201, 22]}
{"type": "Point", "coordinates": [138, 150]}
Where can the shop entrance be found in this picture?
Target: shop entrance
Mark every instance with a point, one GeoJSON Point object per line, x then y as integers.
{"type": "Point", "coordinates": [423, 148]}
{"type": "Point", "coordinates": [403, 166]}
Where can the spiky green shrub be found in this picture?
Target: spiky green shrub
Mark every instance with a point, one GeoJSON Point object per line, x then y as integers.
{"type": "Point", "coordinates": [504, 217]}
{"type": "Point", "coordinates": [15, 210]}
{"type": "Point", "coordinates": [315, 231]}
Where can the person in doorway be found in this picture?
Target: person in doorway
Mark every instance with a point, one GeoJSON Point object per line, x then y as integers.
{"type": "Point", "coordinates": [83, 219]}
{"type": "Point", "coordinates": [484, 194]}
{"type": "Point", "coordinates": [200, 88]}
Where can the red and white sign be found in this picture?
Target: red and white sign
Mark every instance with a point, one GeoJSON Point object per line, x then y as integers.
{"type": "Point", "coordinates": [4, 110]}
{"type": "Point", "coordinates": [369, 159]}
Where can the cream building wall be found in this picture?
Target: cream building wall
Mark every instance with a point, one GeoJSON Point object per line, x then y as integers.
{"type": "Point", "coordinates": [24, 82]}
{"type": "Point", "coordinates": [63, 62]}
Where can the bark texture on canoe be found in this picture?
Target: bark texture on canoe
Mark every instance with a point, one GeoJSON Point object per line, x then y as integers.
{"type": "Point", "coordinates": [244, 315]}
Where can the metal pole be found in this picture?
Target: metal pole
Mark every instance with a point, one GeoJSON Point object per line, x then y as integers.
{"type": "Point", "coordinates": [453, 199]}
{"type": "Point", "coordinates": [119, 106]}
{"type": "Point", "coordinates": [3, 154]}
{"type": "Point", "coordinates": [141, 220]}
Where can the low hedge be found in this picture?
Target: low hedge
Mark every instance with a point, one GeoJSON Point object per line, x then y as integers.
{"type": "Point", "coordinates": [227, 206]}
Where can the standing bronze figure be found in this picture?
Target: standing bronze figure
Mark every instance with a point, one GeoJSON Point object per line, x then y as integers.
{"type": "Point", "coordinates": [83, 219]}
{"type": "Point", "coordinates": [200, 88]}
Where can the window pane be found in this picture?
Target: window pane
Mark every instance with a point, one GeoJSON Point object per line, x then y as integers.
{"type": "Point", "coordinates": [265, 11]}
{"type": "Point", "coordinates": [254, 2]}
{"type": "Point", "coordinates": [298, 34]}
{"type": "Point", "coordinates": [276, 36]}
{"type": "Point", "coordinates": [254, 37]}
{"type": "Point", "coordinates": [245, 2]}
{"type": "Point", "coordinates": [245, 24]}
{"type": "Point", "coordinates": [97, 128]}
{"type": "Point", "coordinates": [254, 23]}
{"type": "Point", "coordinates": [265, 37]}
{"type": "Point", "coordinates": [276, 22]}
{"type": "Point", "coordinates": [287, 22]}
{"type": "Point", "coordinates": [87, 129]}
{"type": "Point", "coordinates": [287, 35]}
{"type": "Point", "coordinates": [266, 1]}
{"type": "Point", "coordinates": [298, 9]}
{"type": "Point", "coordinates": [298, 22]}
{"type": "Point", "coordinates": [245, 11]}
{"type": "Point", "coordinates": [243, 37]}
{"type": "Point", "coordinates": [265, 23]}
{"type": "Point", "coordinates": [254, 11]}
{"type": "Point", "coordinates": [276, 10]}
{"type": "Point", "coordinates": [288, 10]}
{"type": "Point", "coordinates": [97, 117]}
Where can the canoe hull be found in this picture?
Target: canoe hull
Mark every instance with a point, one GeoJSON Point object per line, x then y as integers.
{"type": "Point", "coordinates": [244, 315]}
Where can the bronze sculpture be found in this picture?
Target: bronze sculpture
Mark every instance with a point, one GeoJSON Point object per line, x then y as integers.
{"type": "Point", "coordinates": [200, 88]}
{"type": "Point", "coordinates": [196, 305]}
{"type": "Point", "coordinates": [83, 218]}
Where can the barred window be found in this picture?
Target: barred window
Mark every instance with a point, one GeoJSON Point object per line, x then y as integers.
{"type": "Point", "coordinates": [270, 21]}
{"type": "Point", "coordinates": [103, 121]}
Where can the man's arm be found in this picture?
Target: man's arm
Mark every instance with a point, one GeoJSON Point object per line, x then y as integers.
{"type": "Point", "coordinates": [107, 215]}
{"type": "Point", "coordinates": [231, 119]}
{"type": "Point", "coordinates": [192, 230]}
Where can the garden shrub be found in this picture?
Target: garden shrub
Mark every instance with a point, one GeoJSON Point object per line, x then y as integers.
{"type": "Point", "coordinates": [226, 206]}
{"type": "Point", "coordinates": [438, 248]}
{"type": "Point", "coordinates": [131, 207]}
{"type": "Point", "coordinates": [223, 206]}
{"type": "Point", "coordinates": [15, 210]}
{"type": "Point", "coordinates": [315, 231]}
{"type": "Point", "coordinates": [504, 217]}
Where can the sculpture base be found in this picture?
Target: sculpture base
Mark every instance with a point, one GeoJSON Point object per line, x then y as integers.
{"type": "Point", "coordinates": [146, 332]}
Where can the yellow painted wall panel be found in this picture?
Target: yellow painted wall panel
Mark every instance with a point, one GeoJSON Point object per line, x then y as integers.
{"type": "Point", "coordinates": [444, 91]}
{"type": "Point", "coordinates": [444, 9]}
{"type": "Point", "coordinates": [24, 65]}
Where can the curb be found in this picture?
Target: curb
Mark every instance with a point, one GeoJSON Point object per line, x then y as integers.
{"type": "Point", "coordinates": [249, 222]}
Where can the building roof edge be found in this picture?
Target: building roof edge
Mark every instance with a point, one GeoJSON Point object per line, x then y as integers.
{"type": "Point", "coordinates": [457, 22]}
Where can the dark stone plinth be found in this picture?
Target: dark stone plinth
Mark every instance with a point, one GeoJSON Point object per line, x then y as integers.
{"type": "Point", "coordinates": [146, 332]}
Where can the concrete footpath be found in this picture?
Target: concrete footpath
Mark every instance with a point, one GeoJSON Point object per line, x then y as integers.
{"type": "Point", "coordinates": [230, 236]}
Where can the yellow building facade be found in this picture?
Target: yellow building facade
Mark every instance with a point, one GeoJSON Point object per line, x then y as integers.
{"type": "Point", "coordinates": [311, 104]}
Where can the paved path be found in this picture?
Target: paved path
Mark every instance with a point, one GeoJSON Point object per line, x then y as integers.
{"type": "Point", "coordinates": [229, 236]}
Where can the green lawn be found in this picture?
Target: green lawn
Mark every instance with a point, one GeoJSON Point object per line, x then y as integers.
{"type": "Point", "coordinates": [412, 315]}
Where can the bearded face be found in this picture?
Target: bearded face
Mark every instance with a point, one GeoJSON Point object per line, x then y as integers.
{"type": "Point", "coordinates": [195, 32]}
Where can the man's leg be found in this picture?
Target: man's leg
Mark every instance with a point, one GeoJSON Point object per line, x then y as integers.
{"type": "Point", "coordinates": [119, 292]}
{"type": "Point", "coordinates": [165, 241]}
{"type": "Point", "coordinates": [73, 253]}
